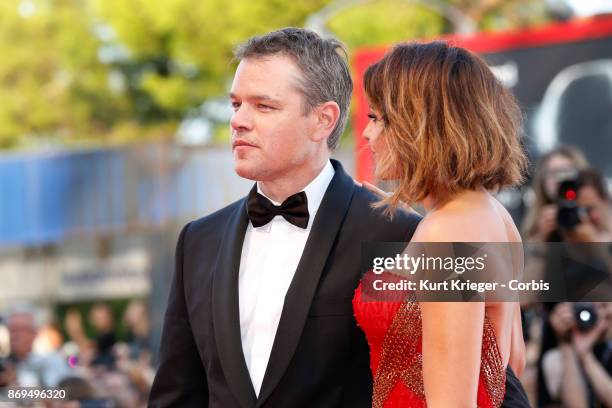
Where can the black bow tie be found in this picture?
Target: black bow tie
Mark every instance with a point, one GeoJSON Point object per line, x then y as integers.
{"type": "Point", "coordinates": [294, 209]}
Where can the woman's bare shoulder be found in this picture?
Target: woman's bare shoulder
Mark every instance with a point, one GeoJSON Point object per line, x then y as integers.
{"type": "Point", "coordinates": [482, 219]}
{"type": "Point", "coordinates": [512, 231]}
{"type": "Point", "coordinates": [452, 224]}
{"type": "Point", "coordinates": [439, 227]}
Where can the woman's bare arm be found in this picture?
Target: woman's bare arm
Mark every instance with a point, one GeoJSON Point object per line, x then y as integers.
{"type": "Point", "coordinates": [452, 332]}
{"type": "Point", "coordinates": [452, 343]}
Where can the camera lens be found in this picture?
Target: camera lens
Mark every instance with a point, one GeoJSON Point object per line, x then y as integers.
{"type": "Point", "coordinates": [585, 316]}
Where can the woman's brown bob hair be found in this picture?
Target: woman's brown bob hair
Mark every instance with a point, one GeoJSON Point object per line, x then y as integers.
{"type": "Point", "coordinates": [449, 124]}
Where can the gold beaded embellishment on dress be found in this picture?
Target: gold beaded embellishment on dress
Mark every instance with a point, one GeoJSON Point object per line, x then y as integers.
{"type": "Point", "coordinates": [400, 359]}
{"type": "Point", "coordinates": [491, 365]}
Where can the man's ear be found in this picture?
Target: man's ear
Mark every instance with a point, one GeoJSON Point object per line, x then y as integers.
{"type": "Point", "coordinates": [327, 116]}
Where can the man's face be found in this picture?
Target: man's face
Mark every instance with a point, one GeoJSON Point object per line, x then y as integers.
{"type": "Point", "coordinates": [270, 131]}
{"type": "Point", "coordinates": [22, 330]}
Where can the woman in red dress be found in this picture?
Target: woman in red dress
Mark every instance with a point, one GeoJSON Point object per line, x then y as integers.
{"type": "Point", "coordinates": [447, 131]}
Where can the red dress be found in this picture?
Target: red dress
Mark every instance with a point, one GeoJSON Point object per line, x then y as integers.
{"type": "Point", "coordinates": [394, 333]}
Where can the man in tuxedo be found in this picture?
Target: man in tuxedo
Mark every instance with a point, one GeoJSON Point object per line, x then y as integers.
{"type": "Point", "coordinates": [260, 308]}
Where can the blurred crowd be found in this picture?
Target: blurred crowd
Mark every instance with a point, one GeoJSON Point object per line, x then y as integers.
{"type": "Point", "coordinates": [569, 345]}
{"type": "Point", "coordinates": [96, 371]}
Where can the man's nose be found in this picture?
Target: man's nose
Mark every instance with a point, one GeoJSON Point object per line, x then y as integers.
{"type": "Point", "coordinates": [241, 119]}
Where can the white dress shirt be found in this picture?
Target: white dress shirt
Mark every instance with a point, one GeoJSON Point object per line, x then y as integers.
{"type": "Point", "coordinates": [270, 256]}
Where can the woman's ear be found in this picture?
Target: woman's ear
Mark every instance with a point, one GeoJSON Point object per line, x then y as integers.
{"type": "Point", "coordinates": [327, 116]}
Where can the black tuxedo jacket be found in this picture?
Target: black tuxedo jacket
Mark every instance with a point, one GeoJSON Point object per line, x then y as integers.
{"type": "Point", "coordinates": [319, 358]}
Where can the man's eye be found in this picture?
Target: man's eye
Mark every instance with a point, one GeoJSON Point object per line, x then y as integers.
{"type": "Point", "coordinates": [264, 107]}
{"type": "Point", "coordinates": [235, 105]}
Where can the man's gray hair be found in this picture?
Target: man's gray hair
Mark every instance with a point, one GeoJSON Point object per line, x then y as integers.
{"type": "Point", "coordinates": [322, 62]}
{"type": "Point", "coordinates": [20, 309]}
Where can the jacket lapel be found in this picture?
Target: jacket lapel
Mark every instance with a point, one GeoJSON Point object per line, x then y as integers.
{"type": "Point", "coordinates": [226, 318]}
{"type": "Point", "coordinates": [298, 299]}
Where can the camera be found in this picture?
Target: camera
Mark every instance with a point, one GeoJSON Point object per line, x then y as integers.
{"type": "Point", "coordinates": [568, 212]}
{"type": "Point", "coordinates": [585, 315]}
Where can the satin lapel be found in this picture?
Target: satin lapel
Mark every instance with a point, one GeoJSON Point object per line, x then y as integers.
{"type": "Point", "coordinates": [226, 314]}
{"type": "Point", "coordinates": [327, 223]}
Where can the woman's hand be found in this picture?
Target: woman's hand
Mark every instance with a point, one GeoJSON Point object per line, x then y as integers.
{"type": "Point", "coordinates": [547, 222]}
{"type": "Point", "coordinates": [384, 194]}
{"type": "Point", "coordinates": [583, 342]}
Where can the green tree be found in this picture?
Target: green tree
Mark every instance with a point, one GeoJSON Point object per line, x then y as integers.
{"type": "Point", "coordinates": [51, 81]}
{"type": "Point", "coordinates": [379, 22]}
{"type": "Point", "coordinates": [385, 22]}
{"type": "Point", "coordinates": [503, 14]}
{"type": "Point", "coordinates": [116, 70]}
{"type": "Point", "coordinates": [183, 48]}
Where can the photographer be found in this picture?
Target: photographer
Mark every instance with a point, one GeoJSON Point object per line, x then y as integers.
{"type": "Point", "coordinates": [579, 215]}
{"type": "Point", "coordinates": [539, 223]}
{"type": "Point", "coordinates": [578, 372]}
{"type": "Point", "coordinates": [594, 223]}
{"type": "Point", "coordinates": [568, 372]}
{"type": "Point", "coordinates": [553, 167]}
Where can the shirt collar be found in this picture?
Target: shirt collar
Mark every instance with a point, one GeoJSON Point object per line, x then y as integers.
{"type": "Point", "coordinates": [315, 191]}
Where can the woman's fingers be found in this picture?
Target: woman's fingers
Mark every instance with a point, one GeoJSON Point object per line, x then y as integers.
{"type": "Point", "coordinates": [375, 189]}
{"type": "Point", "coordinates": [385, 194]}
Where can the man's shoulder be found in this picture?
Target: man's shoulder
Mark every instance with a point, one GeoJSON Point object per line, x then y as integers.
{"type": "Point", "coordinates": [366, 199]}
{"type": "Point", "coordinates": [363, 208]}
{"type": "Point", "coordinates": [215, 222]}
